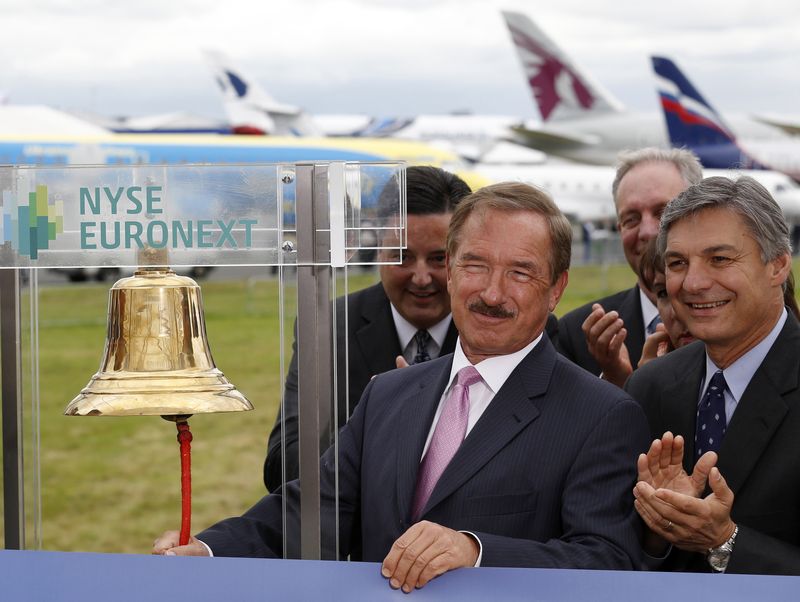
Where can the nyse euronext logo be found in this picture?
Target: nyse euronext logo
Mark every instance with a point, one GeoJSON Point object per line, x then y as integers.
{"type": "Point", "coordinates": [30, 228]}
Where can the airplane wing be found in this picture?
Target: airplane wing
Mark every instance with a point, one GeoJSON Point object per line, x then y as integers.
{"type": "Point", "coordinates": [790, 125]}
{"type": "Point", "coordinates": [550, 141]}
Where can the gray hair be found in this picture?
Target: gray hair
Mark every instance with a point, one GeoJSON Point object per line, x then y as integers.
{"type": "Point", "coordinates": [761, 214]}
{"type": "Point", "coordinates": [685, 161]}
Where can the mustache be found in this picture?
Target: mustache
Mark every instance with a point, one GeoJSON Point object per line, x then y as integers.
{"type": "Point", "coordinates": [493, 311]}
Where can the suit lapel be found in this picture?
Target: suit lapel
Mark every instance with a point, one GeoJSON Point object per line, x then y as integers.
{"type": "Point", "coordinates": [449, 344]}
{"type": "Point", "coordinates": [511, 410]}
{"type": "Point", "coordinates": [376, 335]}
{"type": "Point", "coordinates": [631, 312]}
{"type": "Point", "coordinates": [679, 405]}
{"type": "Point", "coordinates": [418, 410]}
{"type": "Point", "coordinates": [761, 409]}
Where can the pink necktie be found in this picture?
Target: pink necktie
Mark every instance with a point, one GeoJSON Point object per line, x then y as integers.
{"type": "Point", "coordinates": [447, 437]}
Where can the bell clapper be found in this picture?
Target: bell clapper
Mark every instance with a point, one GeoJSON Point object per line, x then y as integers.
{"type": "Point", "coordinates": [185, 442]}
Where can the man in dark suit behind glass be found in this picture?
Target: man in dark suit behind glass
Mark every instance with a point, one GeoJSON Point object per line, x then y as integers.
{"type": "Point", "coordinates": [383, 319]}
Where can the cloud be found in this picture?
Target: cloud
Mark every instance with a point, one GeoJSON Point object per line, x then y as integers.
{"type": "Point", "coordinates": [385, 56]}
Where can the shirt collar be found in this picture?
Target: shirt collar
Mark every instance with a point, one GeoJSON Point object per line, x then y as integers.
{"type": "Point", "coordinates": [739, 374]}
{"type": "Point", "coordinates": [649, 311]}
{"type": "Point", "coordinates": [495, 370]}
{"type": "Point", "coordinates": [406, 330]}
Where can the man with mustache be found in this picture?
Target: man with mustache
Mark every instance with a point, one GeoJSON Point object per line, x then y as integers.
{"type": "Point", "coordinates": [402, 320]}
{"type": "Point", "coordinates": [719, 488]}
{"type": "Point", "coordinates": [502, 453]}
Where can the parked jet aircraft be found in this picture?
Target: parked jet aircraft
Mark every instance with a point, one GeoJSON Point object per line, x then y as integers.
{"type": "Point", "coordinates": [252, 110]}
{"type": "Point", "coordinates": [581, 120]}
{"type": "Point", "coordinates": [583, 192]}
{"type": "Point", "coordinates": [106, 148]}
{"type": "Point", "coordinates": [693, 123]}
{"type": "Point", "coordinates": [40, 120]}
{"type": "Point", "coordinates": [470, 136]}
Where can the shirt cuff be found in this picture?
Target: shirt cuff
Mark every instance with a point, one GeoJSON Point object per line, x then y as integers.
{"type": "Point", "coordinates": [210, 553]}
{"type": "Point", "coordinates": [480, 546]}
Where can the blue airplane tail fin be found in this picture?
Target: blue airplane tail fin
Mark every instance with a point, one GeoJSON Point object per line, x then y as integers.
{"type": "Point", "coordinates": [694, 124]}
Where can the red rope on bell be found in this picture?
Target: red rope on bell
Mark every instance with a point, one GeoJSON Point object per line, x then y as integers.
{"type": "Point", "coordinates": [185, 440]}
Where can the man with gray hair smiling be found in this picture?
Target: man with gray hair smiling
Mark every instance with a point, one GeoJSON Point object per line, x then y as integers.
{"type": "Point", "coordinates": [606, 336]}
{"type": "Point", "coordinates": [719, 488]}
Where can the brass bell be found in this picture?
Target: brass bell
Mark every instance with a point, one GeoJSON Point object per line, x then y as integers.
{"type": "Point", "coordinates": [156, 360]}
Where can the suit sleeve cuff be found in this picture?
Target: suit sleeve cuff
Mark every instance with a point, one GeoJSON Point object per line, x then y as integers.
{"type": "Point", "coordinates": [653, 563]}
{"type": "Point", "coordinates": [476, 540]}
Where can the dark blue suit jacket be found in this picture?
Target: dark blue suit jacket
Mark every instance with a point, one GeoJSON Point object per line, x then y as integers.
{"type": "Point", "coordinates": [371, 343]}
{"type": "Point", "coordinates": [544, 478]}
{"type": "Point", "coordinates": [759, 456]}
{"type": "Point", "coordinates": [572, 341]}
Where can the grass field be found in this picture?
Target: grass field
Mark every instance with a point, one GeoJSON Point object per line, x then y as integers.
{"type": "Point", "coordinates": [112, 484]}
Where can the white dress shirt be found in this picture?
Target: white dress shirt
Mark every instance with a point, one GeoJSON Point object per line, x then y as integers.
{"type": "Point", "coordinates": [739, 374]}
{"type": "Point", "coordinates": [649, 311]}
{"type": "Point", "coordinates": [494, 373]}
{"type": "Point", "coordinates": [406, 331]}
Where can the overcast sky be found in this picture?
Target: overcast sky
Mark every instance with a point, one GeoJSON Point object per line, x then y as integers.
{"type": "Point", "coordinates": [387, 57]}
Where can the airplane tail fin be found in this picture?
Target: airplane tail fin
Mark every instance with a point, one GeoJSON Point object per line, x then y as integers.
{"type": "Point", "coordinates": [250, 108]}
{"type": "Point", "coordinates": [560, 89]}
{"type": "Point", "coordinates": [694, 124]}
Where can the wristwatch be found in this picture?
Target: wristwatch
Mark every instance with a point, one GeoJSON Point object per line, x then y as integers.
{"type": "Point", "coordinates": [718, 557]}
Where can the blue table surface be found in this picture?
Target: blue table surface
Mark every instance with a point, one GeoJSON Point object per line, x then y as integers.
{"type": "Point", "coordinates": [111, 577]}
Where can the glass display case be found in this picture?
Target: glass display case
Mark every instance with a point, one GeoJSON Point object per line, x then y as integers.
{"type": "Point", "coordinates": [277, 248]}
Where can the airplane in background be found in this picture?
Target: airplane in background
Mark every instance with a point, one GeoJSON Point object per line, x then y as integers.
{"type": "Point", "coordinates": [583, 192]}
{"type": "Point", "coordinates": [581, 120]}
{"type": "Point", "coordinates": [79, 143]}
{"type": "Point", "coordinates": [694, 124]}
{"type": "Point", "coordinates": [41, 120]}
{"type": "Point", "coordinates": [97, 147]}
{"type": "Point", "coordinates": [473, 137]}
{"type": "Point", "coordinates": [175, 122]}
{"type": "Point", "coordinates": [251, 109]}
